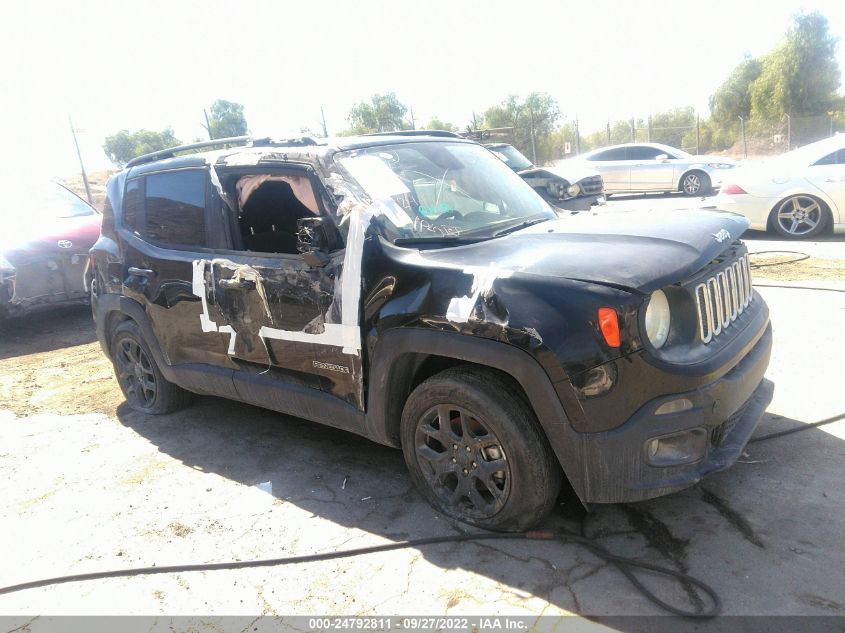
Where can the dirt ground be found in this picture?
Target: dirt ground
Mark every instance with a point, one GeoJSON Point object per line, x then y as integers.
{"type": "Point", "coordinates": [793, 266]}
{"type": "Point", "coordinates": [89, 485]}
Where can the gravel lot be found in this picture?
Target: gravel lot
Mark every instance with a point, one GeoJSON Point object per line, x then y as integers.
{"type": "Point", "coordinates": [90, 485]}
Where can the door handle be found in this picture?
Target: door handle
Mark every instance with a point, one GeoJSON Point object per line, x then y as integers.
{"type": "Point", "coordinates": [142, 272]}
{"type": "Point", "coordinates": [237, 284]}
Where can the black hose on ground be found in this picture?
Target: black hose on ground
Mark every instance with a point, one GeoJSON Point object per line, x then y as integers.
{"type": "Point", "coordinates": [625, 565]}
{"type": "Point", "coordinates": [801, 257]}
{"type": "Point", "coordinates": [798, 429]}
{"type": "Point", "coordinates": [759, 285]}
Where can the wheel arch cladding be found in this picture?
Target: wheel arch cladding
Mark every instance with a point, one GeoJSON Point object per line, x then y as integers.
{"type": "Point", "coordinates": [403, 358]}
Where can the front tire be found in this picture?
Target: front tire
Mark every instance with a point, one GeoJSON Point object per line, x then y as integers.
{"type": "Point", "coordinates": [476, 452]}
{"type": "Point", "coordinates": [799, 217]}
{"type": "Point", "coordinates": [143, 385]}
{"type": "Point", "coordinates": [695, 183]}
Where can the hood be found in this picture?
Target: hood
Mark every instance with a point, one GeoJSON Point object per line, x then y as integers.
{"type": "Point", "coordinates": [570, 172]}
{"type": "Point", "coordinates": [20, 242]}
{"type": "Point", "coordinates": [638, 250]}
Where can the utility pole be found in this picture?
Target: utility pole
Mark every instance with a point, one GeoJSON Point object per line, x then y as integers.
{"type": "Point", "coordinates": [413, 123]}
{"type": "Point", "coordinates": [633, 130]}
{"type": "Point", "coordinates": [207, 125]}
{"type": "Point", "coordinates": [81, 166]}
{"type": "Point", "coordinates": [697, 134]}
{"type": "Point", "coordinates": [742, 130]}
{"type": "Point", "coordinates": [608, 132]}
{"type": "Point", "coordinates": [533, 146]}
{"type": "Point", "coordinates": [649, 129]}
{"type": "Point", "coordinates": [323, 119]}
{"type": "Point", "coordinates": [577, 137]}
{"type": "Point", "coordinates": [788, 132]}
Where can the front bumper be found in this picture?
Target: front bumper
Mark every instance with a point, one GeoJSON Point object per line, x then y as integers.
{"type": "Point", "coordinates": [582, 203]}
{"type": "Point", "coordinates": [616, 467]}
{"type": "Point", "coordinates": [755, 208]}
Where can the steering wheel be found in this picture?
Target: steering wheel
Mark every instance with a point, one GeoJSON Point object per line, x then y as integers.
{"type": "Point", "coordinates": [448, 214]}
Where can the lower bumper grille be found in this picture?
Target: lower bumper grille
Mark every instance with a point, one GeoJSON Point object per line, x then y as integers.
{"type": "Point", "coordinates": [718, 434]}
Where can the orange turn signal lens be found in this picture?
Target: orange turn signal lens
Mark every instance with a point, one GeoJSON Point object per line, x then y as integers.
{"type": "Point", "coordinates": [609, 325]}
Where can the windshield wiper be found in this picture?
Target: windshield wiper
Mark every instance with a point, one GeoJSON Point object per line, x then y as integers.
{"type": "Point", "coordinates": [521, 225]}
{"type": "Point", "coordinates": [438, 239]}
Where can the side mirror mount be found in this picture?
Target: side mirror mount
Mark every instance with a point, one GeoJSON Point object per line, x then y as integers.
{"type": "Point", "coordinates": [312, 242]}
{"type": "Point", "coordinates": [663, 158]}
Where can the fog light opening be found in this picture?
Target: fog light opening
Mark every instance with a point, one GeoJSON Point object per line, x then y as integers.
{"type": "Point", "coordinates": [680, 448]}
{"type": "Point", "coordinates": [674, 406]}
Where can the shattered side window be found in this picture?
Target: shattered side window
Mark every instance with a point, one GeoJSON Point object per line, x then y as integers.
{"type": "Point", "coordinates": [175, 208]}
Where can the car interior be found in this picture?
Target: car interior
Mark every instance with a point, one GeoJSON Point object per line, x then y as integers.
{"type": "Point", "coordinates": [268, 209]}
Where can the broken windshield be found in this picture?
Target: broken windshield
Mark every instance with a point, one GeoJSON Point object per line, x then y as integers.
{"type": "Point", "coordinates": [436, 189]}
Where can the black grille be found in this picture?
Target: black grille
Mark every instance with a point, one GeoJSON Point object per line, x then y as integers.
{"type": "Point", "coordinates": [591, 185]}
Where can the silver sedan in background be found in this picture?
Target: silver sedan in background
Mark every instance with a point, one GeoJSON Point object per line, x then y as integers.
{"type": "Point", "coordinates": [652, 167]}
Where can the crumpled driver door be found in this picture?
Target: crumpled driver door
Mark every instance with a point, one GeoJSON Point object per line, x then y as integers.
{"type": "Point", "coordinates": [271, 305]}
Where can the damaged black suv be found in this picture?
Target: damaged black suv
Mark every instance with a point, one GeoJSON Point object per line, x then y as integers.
{"type": "Point", "coordinates": [416, 291]}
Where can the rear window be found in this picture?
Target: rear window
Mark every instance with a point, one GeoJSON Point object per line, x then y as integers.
{"type": "Point", "coordinates": [175, 208]}
{"type": "Point", "coordinates": [132, 206]}
{"type": "Point", "coordinates": [617, 153]}
{"type": "Point", "coordinates": [641, 152]}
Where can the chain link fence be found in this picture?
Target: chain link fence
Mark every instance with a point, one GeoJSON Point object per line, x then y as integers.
{"type": "Point", "coordinates": [737, 138]}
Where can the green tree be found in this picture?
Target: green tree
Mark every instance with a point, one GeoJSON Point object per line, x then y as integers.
{"type": "Point", "coordinates": [671, 127]}
{"type": "Point", "coordinates": [801, 76]}
{"type": "Point", "coordinates": [733, 98]}
{"type": "Point", "coordinates": [226, 119]}
{"type": "Point", "coordinates": [533, 121]}
{"type": "Point", "coordinates": [382, 113]}
{"type": "Point", "coordinates": [436, 124]}
{"type": "Point", "coordinates": [125, 145]}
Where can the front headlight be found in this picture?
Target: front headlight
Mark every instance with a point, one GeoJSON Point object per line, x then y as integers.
{"type": "Point", "coordinates": [657, 319]}
{"type": "Point", "coordinates": [573, 190]}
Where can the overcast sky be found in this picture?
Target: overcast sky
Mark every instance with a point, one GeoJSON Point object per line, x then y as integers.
{"type": "Point", "coordinates": [149, 64]}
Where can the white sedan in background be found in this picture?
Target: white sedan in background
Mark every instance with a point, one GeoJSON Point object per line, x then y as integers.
{"type": "Point", "coordinates": [653, 167]}
{"type": "Point", "coordinates": [799, 194]}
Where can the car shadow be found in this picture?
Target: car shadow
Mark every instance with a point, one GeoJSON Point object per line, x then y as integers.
{"type": "Point", "coordinates": [766, 235]}
{"type": "Point", "coordinates": [620, 197]}
{"type": "Point", "coordinates": [47, 330]}
{"type": "Point", "coordinates": [355, 483]}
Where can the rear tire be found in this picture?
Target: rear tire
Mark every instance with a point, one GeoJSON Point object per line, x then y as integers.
{"type": "Point", "coordinates": [476, 452]}
{"type": "Point", "coordinates": [695, 183]}
{"type": "Point", "coordinates": [143, 385]}
{"type": "Point", "coordinates": [799, 217]}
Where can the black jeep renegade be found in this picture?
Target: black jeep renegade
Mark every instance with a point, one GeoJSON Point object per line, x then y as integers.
{"type": "Point", "coordinates": [416, 291]}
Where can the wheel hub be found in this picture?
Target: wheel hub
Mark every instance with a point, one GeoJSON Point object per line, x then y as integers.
{"type": "Point", "coordinates": [464, 457]}
{"type": "Point", "coordinates": [463, 462]}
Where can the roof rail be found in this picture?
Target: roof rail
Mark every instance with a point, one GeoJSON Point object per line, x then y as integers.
{"type": "Point", "coordinates": [445, 133]}
{"type": "Point", "coordinates": [170, 152]}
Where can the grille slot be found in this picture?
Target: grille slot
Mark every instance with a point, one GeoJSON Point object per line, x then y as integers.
{"type": "Point", "coordinates": [591, 185]}
{"type": "Point", "coordinates": [721, 298]}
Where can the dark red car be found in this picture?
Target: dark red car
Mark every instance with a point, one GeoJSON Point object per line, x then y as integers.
{"type": "Point", "coordinates": [44, 246]}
